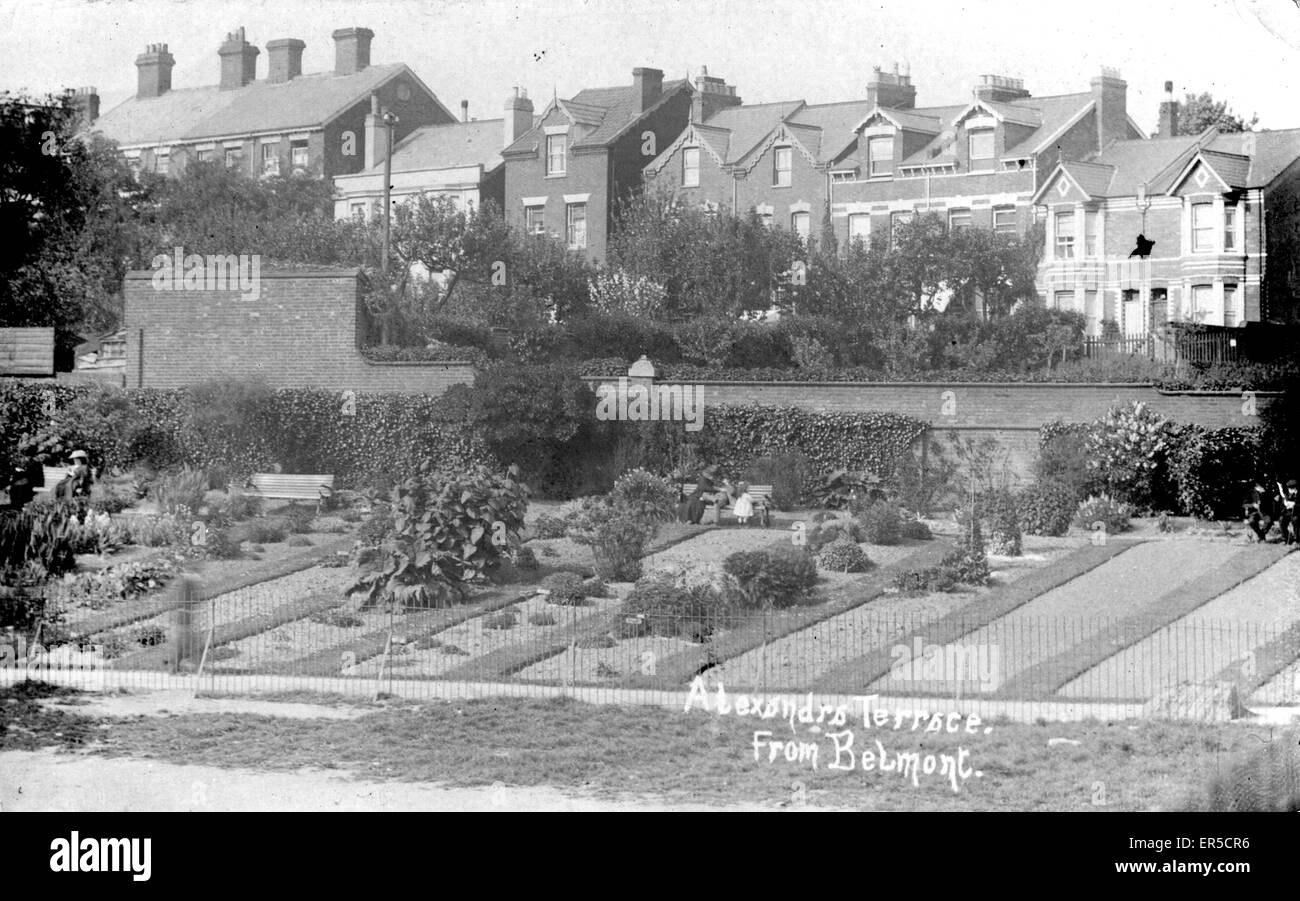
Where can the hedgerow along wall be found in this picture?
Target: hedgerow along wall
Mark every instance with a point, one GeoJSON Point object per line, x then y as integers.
{"type": "Point", "coordinates": [301, 330]}
{"type": "Point", "coordinates": [1010, 413]}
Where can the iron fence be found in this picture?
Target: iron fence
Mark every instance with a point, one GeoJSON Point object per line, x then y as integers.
{"type": "Point", "coordinates": [1200, 348]}
{"type": "Point", "coordinates": [1022, 665]}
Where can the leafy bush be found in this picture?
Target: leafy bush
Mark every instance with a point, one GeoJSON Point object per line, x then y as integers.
{"type": "Point", "coordinates": [260, 531]}
{"type": "Point", "coordinates": [547, 526]}
{"type": "Point", "coordinates": [375, 530]}
{"type": "Point", "coordinates": [525, 558]}
{"type": "Point", "coordinates": [565, 589]}
{"type": "Point", "coordinates": [935, 578]}
{"type": "Point", "coordinates": [790, 473]}
{"type": "Point", "coordinates": [1112, 513]}
{"type": "Point", "coordinates": [148, 635]}
{"type": "Point", "coordinates": [299, 541]}
{"type": "Point", "coordinates": [1210, 469]}
{"type": "Point", "coordinates": [503, 620]}
{"type": "Point", "coordinates": [841, 487]}
{"type": "Point", "coordinates": [447, 531]}
{"type": "Point", "coordinates": [183, 488]}
{"type": "Point", "coordinates": [541, 618]}
{"type": "Point", "coordinates": [832, 530]}
{"type": "Point", "coordinates": [41, 536]}
{"type": "Point", "coordinates": [660, 605]}
{"type": "Point", "coordinates": [881, 523]}
{"type": "Point", "coordinates": [1063, 457]}
{"type": "Point", "coordinates": [617, 537]}
{"type": "Point", "coordinates": [152, 531]}
{"type": "Point", "coordinates": [220, 545]}
{"type": "Point", "coordinates": [338, 618]}
{"type": "Point", "coordinates": [1126, 452]}
{"type": "Point", "coordinates": [648, 497]}
{"type": "Point", "coordinates": [844, 556]}
{"type": "Point", "coordinates": [1002, 518]}
{"type": "Point", "coordinates": [915, 529]}
{"type": "Point", "coordinates": [781, 577]}
{"type": "Point", "coordinates": [1046, 508]}
{"type": "Point", "coordinates": [111, 499]}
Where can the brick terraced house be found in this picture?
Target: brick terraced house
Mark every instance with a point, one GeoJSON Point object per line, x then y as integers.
{"type": "Point", "coordinates": [1222, 209]}
{"type": "Point", "coordinates": [317, 125]}
{"type": "Point", "coordinates": [876, 162]}
{"type": "Point", "coordinates": [568, 169]}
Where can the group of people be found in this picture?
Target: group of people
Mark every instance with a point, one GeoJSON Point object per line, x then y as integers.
{"type": "Point", "coordinates": [712, 494]}
{"type": "Point", "coordinates": [25, 478]}
{"type": "Point", "coordinates": [1265, 506]}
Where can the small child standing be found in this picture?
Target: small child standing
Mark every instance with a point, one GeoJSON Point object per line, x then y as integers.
{"type": "Point", "coordinates": [744, 508]}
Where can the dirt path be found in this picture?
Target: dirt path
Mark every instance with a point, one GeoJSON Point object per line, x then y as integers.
{"type": "Point", "coordinates": [54, 781]}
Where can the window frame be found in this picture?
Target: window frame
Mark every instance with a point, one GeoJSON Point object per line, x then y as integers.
{"type": "Point", "coordinates": [896, 219]}
{"type": "Point", "coordinates": [1198, 311]}
{"type": "Point", "coordinates": [1206, 229]}
{"type": "Point", "coordinates": [1064, 244]}
{"type": "Point", "coordinates": [687, 154]}
{"type": "Point", "coordinates": [271, 162]}
{"type": "Point", "coordinates": [233, 156]}
{"type": "Point", "coordinates": [535, 219]}
{"type": "Point", "coordinates": [963, 212]}
{"type": "Point", "coordinates": [294, 147]}
{"type": "Point", "coordinates": [807, 218]}
{"type": "Point", "coordinates": [981, 133]}
{"type": "Point", "coordinates": [554, 142]}
{"type": "Point", "coordinates": [873, 157]}
{"type": "Point", "coordinates": [866, 235]}
{"type": "Point", "coordinates": [571, 223]}
{"type": "Point", "coordinates": [1090, 234]}
{"type": "Point", "coordinates": [1232, 290]}
{"type": "Point", "coordinates": [1056, 300]}
{"type": "Point", "coordinates": [1229, 228]}
{"type": "Point", "coordinates": [778, 151]}
{"type": "Point", "coordinates": [162, 160]}
{"type": "Point", "coordinates": [1006, 228]}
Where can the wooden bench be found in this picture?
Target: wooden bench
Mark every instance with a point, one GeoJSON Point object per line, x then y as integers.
{"type": "Point", "coordinates": [52, 476]}
{"type": "Point", "coordinates": [291, 487]}
{"type": "Point", "coordinates": [760, 494]}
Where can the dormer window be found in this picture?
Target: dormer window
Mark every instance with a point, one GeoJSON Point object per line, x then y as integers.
{"type": "Point", "coordinates": [980, 146]}
{"type": "Point", "coordinates": [880, 155]}
{"type": "Point", "coordinates": [556, 149]}
{"type": "Point", "coordinates": [782, 167]}
{"type": "Point", "coordinates": [691, 167]}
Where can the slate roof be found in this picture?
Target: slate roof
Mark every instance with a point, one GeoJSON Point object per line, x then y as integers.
{"type": "Point", "coordinates": [1273, 152]}
{"type": "Point", "coordinates": [745, 126]}
{"type": "Point", "coordinates": [192, 114]}
{"type": "Point", "coordinates": [448, 146]}
{"type": "Point", "coordinates": [1093, 178]}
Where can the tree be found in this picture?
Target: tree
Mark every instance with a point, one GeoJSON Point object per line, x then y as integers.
{"type": "Point", "coordinates": [68, 210]}
{"type": "Point", "coordinates": [1198, 112]}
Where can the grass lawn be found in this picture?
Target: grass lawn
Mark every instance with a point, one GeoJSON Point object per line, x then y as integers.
{"type": "Point", "coordinates": [663, 753]}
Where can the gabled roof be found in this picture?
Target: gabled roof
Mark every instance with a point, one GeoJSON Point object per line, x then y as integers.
{"type": "Point", "coordinates": [1233, 169]}
{"type": "Point", "coordinates": [1123, 166]}
{"type": "Point", "coordinates": [450, 146]}
{"type": "Point", "coordinates": [908, 120]}
{"type": "Point", "coordinates": [1093, 179]}
{"type": "Point", "coordinates": [192, 114]}
{"type": "Point", "coordinates": [608, 112]}
{"type": "Point", "coordinates": [1017, 112]}
{"type": "Point", "coordinates": [746, 126]}
{"type": "Point", "coordinates": [1270, 152]}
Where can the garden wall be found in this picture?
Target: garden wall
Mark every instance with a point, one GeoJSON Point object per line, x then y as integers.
{"type": "Point", "coordinates": [299, 330]}
{"type": "Point", "coordinates": [1011, 413]}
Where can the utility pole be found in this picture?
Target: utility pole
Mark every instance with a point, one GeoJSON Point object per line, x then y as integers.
{"type": "Point", "coordinates": [389, 121]}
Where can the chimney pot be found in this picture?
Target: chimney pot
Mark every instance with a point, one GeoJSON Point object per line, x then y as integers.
{"type": "Point", "coordinates": [154, 71]}
{"type": "Point", "coordinates": [464, 111]}
{"type": "Point", "coordinates": [238, 61]}
{"type": "Point", "coordinates": [648, 84]}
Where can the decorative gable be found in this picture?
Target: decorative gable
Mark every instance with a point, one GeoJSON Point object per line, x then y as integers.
{"type": "Point", "coordinates": [1200, 178]}
{"type": "Point", "coordinates": [1062, 189]}
{"type": "Point", "coordinates": [691, 137]}
{"type": "Point", "coordinates": [779, 135]}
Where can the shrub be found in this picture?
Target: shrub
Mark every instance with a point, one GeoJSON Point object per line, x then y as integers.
{"type": "Point", "coordinates": [1126, 452]}
{"type": "Point", "coordinates": [184, 488]}
{"type": "Point", "coordinates": [1046, 508]}
{"type": "Point", "coordinates": [789, 472]}
{"type": "Point", "coordinates": [447, 531]}
{"type": "Point", "coordinates": [111, 499]}
{"type": "Point", "coordinates": [597, 642]}
{"type": "Point", "coordinates": [43, 536]}
{"type": "Point", "coordinates": [617, 538]}
{"type": "Point", "coordinates": [503, 620]}
{"type": "Point", "coordinates": [427, 643]}
{"type": "Point", "coordinates": [148, 635]}
{"type": "Point", "coordinates": [1000, 513]}
{"type": "Point", "coordinates": [546, 526]}
{"type": "Point", "coordinates": [1063, 458]}
{"type": "Point", "coordinates": [541, 618]}
{"type": "Point", "coordinates": [915, 529]}
{"type": "Point", "coordinates": [661, 605]}
{"type": "Point", "coordinates": [220, 545]}
{"type": "Point", "coordinates": [1111, 513]}
{"type": "Point", "coordinates": [1209, 469]}
{"type": "Point", "coordinates": [260, 531]}
{"type": "Point", "coordinates": [338, 618]}
{"type": "Point", "coordinates": [299, 541]}
{"type": "Point", "coordinates": [374, 530]}
{"type": "Point", "coordinates": [936, 578]}
{"type": "Point", "coordinates": [880, 522]}
{"type": "Point", "coordinates": [648, 497]}
{"type": "Point", "coordinates": [781, 577]}
{"type": "Point", "coordinates": [297, 520]}
{"type": "Point", "coordinates": [565, 589]}
{"type": "Point", "coordinates": [844, 556]}
{"type": "Point", "coordinates": [525, 558]}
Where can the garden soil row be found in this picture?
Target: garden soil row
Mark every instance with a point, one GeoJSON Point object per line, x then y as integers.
{"type": "Point", "coordinates": [856, 675]}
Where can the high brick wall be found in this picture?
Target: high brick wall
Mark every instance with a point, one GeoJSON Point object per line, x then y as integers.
{"type": "Point", "coordinates": [1009, 413]}
{"type": "Point", "coordinates": [300, 332]}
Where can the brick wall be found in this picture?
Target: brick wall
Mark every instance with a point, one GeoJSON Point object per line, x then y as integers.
{"type": "Point", "coordinates": [1010, 413]}
{"type": "Point", "coordinates": [301, 332]}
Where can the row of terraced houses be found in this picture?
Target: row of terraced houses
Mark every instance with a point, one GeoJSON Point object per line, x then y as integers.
{"type": "Point", "coordinates": [1222, 209]}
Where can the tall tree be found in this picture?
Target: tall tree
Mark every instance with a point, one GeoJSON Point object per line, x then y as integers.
{"type": "Point", "coordinates": [1198, 112]}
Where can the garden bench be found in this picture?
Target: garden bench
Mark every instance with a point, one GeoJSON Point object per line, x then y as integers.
{"type": "Point", "coordinates": [51, 476]}
{"type": "Point", "coordinates": [760, 494]}
{"type": "Point", "coordinates": [291, 487]}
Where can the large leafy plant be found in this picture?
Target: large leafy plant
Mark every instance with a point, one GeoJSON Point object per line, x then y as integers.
{"type": "Point", "coordinates": [1126, 449]}
{"type": "Point", "coordinates": [448, 530]}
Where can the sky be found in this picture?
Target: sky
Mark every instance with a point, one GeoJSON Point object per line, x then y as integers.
{"type": "Point", "coordinates": [1244, 51]}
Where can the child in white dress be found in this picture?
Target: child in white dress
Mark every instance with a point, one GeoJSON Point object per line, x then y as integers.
{"type": "Point", "coordinates": [744, 508]}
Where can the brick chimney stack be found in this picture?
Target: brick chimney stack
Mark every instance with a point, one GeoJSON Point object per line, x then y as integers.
{"type": "Point", "coordinates": [1169, 113]}
{"type": "Point", "coordinates": [711, 95]}
{"type": "Point", "coordinates": [891, 89]}
{"type": "Point", "coordinates": [1110, 93]}
{"type": "Point", "coordinates": [154, 71]}
{"type": "Point", "coordinates": [238, 61]}
{"type": "Point", "coordinates": [519, 116]}
{"type": "Point", "coordinates": [284, 59]}
{"type": "Point", "coordinates": [464, 111]}
{"type": "Point", "coordinates": [376, 134]}
{"type": "Point", "coordinates": [86, 102]}
{"type": "Point", "coordinates": [351, 50]}
{"type": "Point", "coordinates": [649, 84]}
{"type": "Point", "coordinates": [1000, 89]}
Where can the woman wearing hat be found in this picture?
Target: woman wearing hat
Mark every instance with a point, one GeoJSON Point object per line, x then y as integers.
{"type": "Point", "coordinates": [79, 478]}
{"type": "Point", "coordinates": [1287, 513]}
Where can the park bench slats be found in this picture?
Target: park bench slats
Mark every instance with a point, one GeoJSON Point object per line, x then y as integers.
{"type": "Point", "coordinates": [51, 475]}
{"type": "Point", "coordinates": [291, 487]}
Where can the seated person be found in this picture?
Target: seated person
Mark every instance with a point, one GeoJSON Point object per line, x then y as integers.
{"type": "Point", "coordinates": [79, 478]}
{"type": "Point", "coordinates": [1259, 511]}
{"type": "Point", "coordinates": [1286, 509]}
